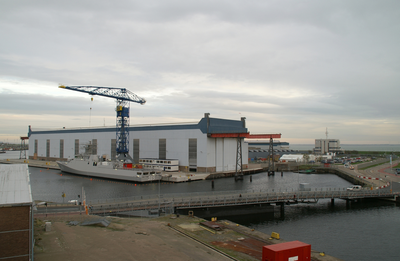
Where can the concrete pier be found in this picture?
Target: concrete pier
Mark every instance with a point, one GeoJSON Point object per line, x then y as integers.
{"type": "Point", "coordinates": [181, 237]}
{"type": "Point", "coordinates": [32, 163]}
{"type": "Point", "coordinates": [229, 211]}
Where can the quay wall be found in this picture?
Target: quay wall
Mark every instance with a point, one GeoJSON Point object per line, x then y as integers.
{"type": "Point", "coordinates": [343, 175]}
{"type": "Point", "coordinates": [227, 211]}
{"type": "Point", "coordinates": [227, 174]}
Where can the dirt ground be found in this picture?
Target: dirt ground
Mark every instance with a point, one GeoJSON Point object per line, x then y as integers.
{"type": "Point", "coordinates": [123, 239]}
{"type": "Point", "coordinates": [148, 239]}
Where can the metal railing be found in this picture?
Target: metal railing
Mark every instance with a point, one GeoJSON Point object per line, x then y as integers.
{"type": "Point", "coordinates": [202, 194]}
{"type": "Point", "coordinates": [236, 198]}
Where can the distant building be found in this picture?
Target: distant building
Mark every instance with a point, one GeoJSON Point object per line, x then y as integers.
{"type": "Point", "coordinates": [196, 145]}
{"type": "Point", "coordinates": [292, 158]}
{"type": "Point", "coordinates": [259, 149]}
{"type": "Point", "coordinates": [323, 146]}
{"type": "Point", "coordinates": [328, 156]}
{"type": "Point", "coordinates": [297, 158]}
{"type": "Point", "coordinates": [264, 145]}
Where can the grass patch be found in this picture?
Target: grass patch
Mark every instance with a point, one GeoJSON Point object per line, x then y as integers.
{"type": "Point", "coordinates": [397, 166]}
{"type": "Point", "coordinates": [372, 153]}
{"type": "Point", "coordinates": [373, 165]}
{"type": "Point", "coordinates": [355, 163]}
{"type": "Point", "coordinates": [38, 232]}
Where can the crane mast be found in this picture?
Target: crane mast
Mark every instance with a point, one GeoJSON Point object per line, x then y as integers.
{"type": "Point", "coordinates": [123, 98]}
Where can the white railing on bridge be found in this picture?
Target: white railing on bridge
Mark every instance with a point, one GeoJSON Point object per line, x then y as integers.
{"type": "Point", "coordinates": [237, 198]}
{"type": "Point", "coordinates": [202, 194]}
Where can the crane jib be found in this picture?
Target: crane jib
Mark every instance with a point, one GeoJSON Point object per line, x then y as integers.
{"type": "Point", "coordinates": [123, 97]}
{"type": "Point", "coordinates": [111, 92]}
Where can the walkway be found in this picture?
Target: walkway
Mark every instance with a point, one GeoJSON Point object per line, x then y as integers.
{"type": "Point", "coordinates": [235, 198]}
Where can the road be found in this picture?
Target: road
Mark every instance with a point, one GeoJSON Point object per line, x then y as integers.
{"type": "Point", "coordinates": [382, 174]}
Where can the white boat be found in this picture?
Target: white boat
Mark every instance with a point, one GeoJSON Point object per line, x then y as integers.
{"type": "Point", "coordinates": [93, 166]}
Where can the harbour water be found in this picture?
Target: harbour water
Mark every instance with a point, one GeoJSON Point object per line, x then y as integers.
{"type": "Point", "coordinates": [49, 185]}
{"type": "Point", "coordinates": [362, 231]}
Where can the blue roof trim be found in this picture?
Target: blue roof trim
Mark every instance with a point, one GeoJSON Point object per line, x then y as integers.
{"type": "Point", "coordinates": [165, 127]}
{"type": "Point", "coordinates": [216, 126]}
{"type": "Point", "coordinates": [224, 126]}
{"type": "Point", "coordinates": [73, 131]}
{"type": "Point", "coordinates": [141, 128]}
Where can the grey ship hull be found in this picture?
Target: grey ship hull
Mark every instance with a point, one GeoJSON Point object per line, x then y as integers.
{"type": "Point", "coordinates": [86, 168]}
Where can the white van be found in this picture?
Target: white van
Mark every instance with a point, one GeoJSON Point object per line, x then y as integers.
{"type": "Point", "coordinates": [354, 188]}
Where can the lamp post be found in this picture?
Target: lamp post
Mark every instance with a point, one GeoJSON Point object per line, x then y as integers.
{"type": "Point", "coordinates": [390, 184]}
{"type": "Point", "coordinates": [379, 184]}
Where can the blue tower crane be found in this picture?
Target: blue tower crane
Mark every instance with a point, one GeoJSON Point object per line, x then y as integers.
{"type": "Point", "coordinates": [123, 97]}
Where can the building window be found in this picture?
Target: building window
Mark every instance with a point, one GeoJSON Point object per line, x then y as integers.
{"type": "Point", "coordinates": [136, 145]}
{"type": "Point", "coordinates": [48, 148]}
{"type": "Point", "coordinates": [61, 149]}
{"type": "Point", "coordinates": [76, 147]}
{"type": "Point", "coordinates": [192, 154]}
{"type": "Point", "coordinates": [94, 146]}
{"type": "Point", "coordinates": [113, 149]}
{"type": "Point", "coordinates": [162, 149]}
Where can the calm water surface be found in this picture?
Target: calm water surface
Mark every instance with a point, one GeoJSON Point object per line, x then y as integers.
{"type": "Point", "coordinates": [364, 231]}
{"type": "Point", "coordinates": [49, 185]}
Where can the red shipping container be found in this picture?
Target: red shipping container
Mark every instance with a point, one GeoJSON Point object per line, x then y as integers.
{"type": "Point", "coordinates": [289, 251]}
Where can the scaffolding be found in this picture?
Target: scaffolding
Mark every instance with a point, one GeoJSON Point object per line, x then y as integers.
{"type": "Point", "coordinates": [22, 152]}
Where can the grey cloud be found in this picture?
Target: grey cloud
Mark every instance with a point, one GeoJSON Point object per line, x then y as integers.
{"type": "Point", "coordinates": [343, 55]}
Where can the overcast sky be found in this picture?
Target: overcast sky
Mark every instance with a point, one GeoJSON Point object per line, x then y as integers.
{"type": "Point", "coordinates": [290, 67]}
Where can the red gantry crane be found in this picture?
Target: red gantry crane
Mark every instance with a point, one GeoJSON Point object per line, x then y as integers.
{"type": "Point", "coordinates": [239, 160]}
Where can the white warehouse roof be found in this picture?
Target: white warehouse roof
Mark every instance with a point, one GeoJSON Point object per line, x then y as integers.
{"type": "Point", "coordinates": [15, 186]}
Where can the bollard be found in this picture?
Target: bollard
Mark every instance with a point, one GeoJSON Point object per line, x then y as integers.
{"type": "Point", "coordinates": [275, 235]}
{"type": "Point", "coordinates": [48, 226]}
{"type": "Point", "coordinates": [251, 178]}
{"type": "Point", "coordinates": [281, 173]}
{"type": "Point", "coordinates": [212, 184]}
